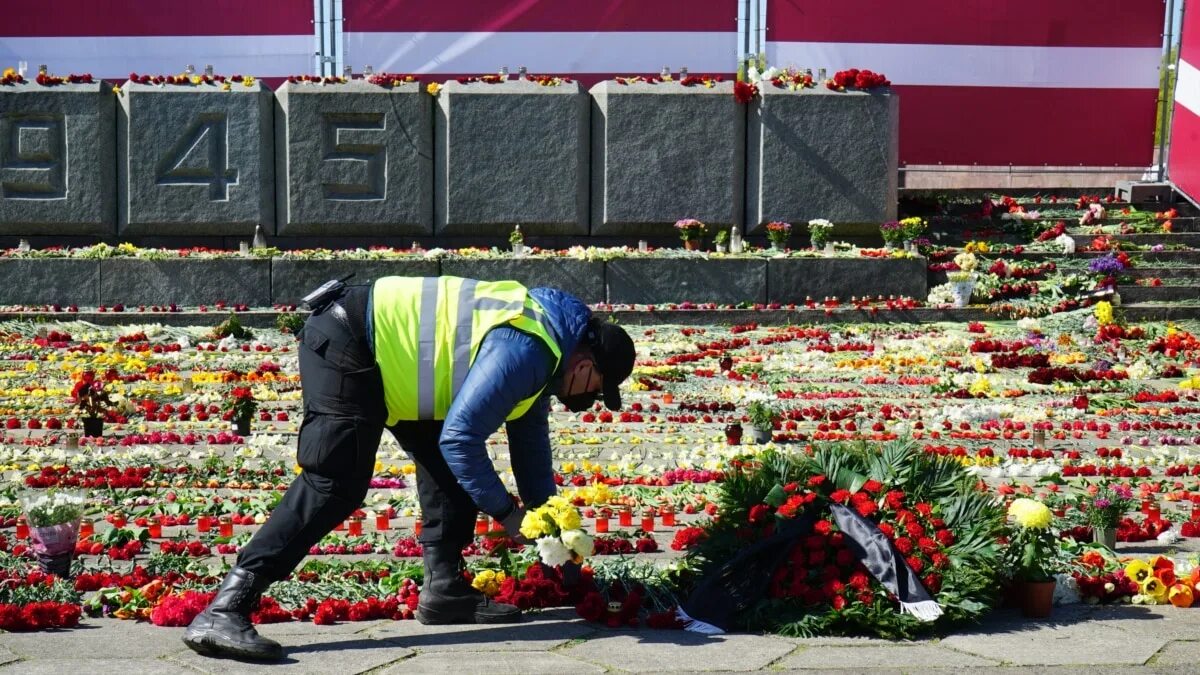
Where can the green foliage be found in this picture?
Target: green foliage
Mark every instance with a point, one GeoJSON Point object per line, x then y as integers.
{"type": "Point", "coordinates": [762, 415]}
{"type": "Point", "coordinates": [232, 327]}
{"type": "Point", "coordinates": [290, 322]}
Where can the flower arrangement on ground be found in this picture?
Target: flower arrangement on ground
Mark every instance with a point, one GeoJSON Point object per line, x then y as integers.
{"type": "Point", "coordinates": [54, 528]}
{"type": "Point", "coordinates": [241, 405]}
{"type": "Point", "coordinates": [90, 397]}
{"type": "Point", "coordinates": [779, 232]}
{"type": "Point", "coordinates": [556, 528]}
{"type": "Point", "coordinates": [892, 233]}
{"type": "Point", "coordinates": [690, 231]}
{"type": "Point", "coordinates": [911, 228]}
{"type": "Point", "coordinates": [819, 230]}
{"type": "Point", "coordinates": [1106, 507]}
{"type": "Point", "coordinates": [762, 418]}
{"type": "Point", "coordinates": [801, 516]}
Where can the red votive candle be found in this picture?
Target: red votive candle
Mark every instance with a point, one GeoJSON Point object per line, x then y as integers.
{"type": "Point", "coordinates": [203, 524]}
{"type": "Point", "coordinates": [625, 519]}
{"type": "Point", "coordinates": [382, 522]}
{"type": "Point", "coordinates": [481, 525]}
{"type": "Point", "coordinates": [155, 529]}
{"type": "Point", "coordinates": [601, 523]}
{"type": "Point", "coordinates": [355, 526]}
{"type": "Point", "coordinates": [22, 528]}
{"type": "Point", "coordinates": [86, 528]}
{"type": "Point", "coordinates": [225, 526]}
{"type": "Point", "coordinates": [648, 521]}
{"type": "Point", "coordinates": [418, 526]}
{"type": "Point", "coordinates": [668, 516]}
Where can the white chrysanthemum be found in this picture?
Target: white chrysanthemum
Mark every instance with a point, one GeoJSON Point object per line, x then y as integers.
{"type": "Point", "coordinates": [552, 551]}
{"type": "Point", "coordinates": [579, 542]}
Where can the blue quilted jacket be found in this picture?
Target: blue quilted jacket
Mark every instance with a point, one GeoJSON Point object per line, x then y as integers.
{"type": "Point", "coordinates": [510, 367]}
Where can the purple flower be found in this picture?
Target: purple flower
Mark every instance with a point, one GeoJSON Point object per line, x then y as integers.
{"type": "Point", "coordinates": [1106, 265]}
{"type": "Point", "coordinates": [1101, 503]}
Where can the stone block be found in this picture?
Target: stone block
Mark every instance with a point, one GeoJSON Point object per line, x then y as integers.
{"type": "Point", "coordinates": [49, 281]}
{"type": "Point", "coordinates": [791, 280]}
{"type": "Point", "coordinates": [582, 278]}
{"type": "Point", "coordinates": [897, 655]}
{"type": "Point", "coordinates": [294, 279]}
{"type": "Point", "coordinates": [353, 159]}
{"type": "Point", "coordinates": [821, 154]}
{"type": "Point", "coordinates": [57, 151]}
{"type": "Point", "coordinates": [654, 281]}
{"type": "Point", "coordinates": [509, 153]}
{"type": "Point", "coordinates": [662, 152]}
{"type": "Point", "coordinates": [135, 281]}
{"type": "Point", "coordinates": [658, 651]}
{"type": "Point", "coordinates": [195, 160]}
{"type": "Point", "coordinates": [492, 663]}
{"type": "Point", "coordinates": [314, 653]}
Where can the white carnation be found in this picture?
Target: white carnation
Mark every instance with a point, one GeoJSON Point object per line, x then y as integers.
{"type": "Point", "coordinates": [579, 542]}
{"type": "Point", "coordinates": [552, 551]}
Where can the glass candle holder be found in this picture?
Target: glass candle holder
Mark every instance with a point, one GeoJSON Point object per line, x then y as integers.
{"type": "Point", "coordinates": [668, 516]}
{"type": "Point", "coordinates": [625, 519]}
{"type": "Point", "coordinates": [382, 522]}
{"type": "Point", "coordinates": [356, 527]}
{"type": "Point", "coordinates": [155, 529]}
{"type": "Point", "coordinates": [87, 527]}
{"type": "Point", "coordinates": [601, 523]}
{"type": "Point", "coordinates": [225, 527]}
{"type": "Point", "coordinates": [648, 521]}
{"type": "Point", "coordinates": [481, 525]}
{"type": "Point", "coordinates": [418, 526]}
{"type": "Point", "coordinates": [203, 524]}
{"type": "Point", "coordinates": [22, 528]}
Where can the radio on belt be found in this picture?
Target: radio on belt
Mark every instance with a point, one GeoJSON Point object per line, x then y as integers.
{"type": "Point", "coordinates": [325, 294]}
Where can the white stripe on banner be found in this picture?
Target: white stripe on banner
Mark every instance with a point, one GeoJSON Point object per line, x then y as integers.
{"type": "Point", "coordinates": [543, 52]}
{"type": "Point", "coordinates": [981, 66]}
{"type": "Point", "coordinates": [116, 57]}
{"type": "Point", "coordinates": [1187, 87]}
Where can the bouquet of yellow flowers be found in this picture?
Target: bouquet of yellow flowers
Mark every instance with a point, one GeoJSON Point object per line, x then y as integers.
{"type": "Point", "coordinates": [557, 529]}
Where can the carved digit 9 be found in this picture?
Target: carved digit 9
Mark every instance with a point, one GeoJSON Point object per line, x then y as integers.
{"type": "Point", "coordinates": [33, 156]}
{"type": "Point", "coordinates": [188, 163]}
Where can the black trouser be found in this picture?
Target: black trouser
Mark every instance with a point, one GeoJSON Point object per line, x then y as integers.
{"type": "Point", "coordinates": [344, 418]}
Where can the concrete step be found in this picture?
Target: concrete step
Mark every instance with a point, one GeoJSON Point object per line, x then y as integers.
{"type": "Point", "coordinates": [1136, 294]}
{"type": "Point", "coordinates": [1189, 239]}
{"type": "Point", "coordinates": [1186, 272]}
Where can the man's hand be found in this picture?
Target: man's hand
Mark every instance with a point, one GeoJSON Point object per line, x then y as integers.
{"type": "Point", "coordinates": [512, 525]}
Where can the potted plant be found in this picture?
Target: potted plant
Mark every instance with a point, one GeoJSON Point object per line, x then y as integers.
{"type": "Point", "coordinates": [892, 234]}
{"type": "Point", "coordinates": [818, 232]}
{"type": "Point", "coordinates": [720, 240]}
{"type": "Point", "coordinates": [92, 401]}
{"type": "Point", "coordinates": [517, 240]}
{"type": "Point", "coordinates": [779, 232]}
{"type": "Point", "coordinates": [762, 420]}
{"type": "Point", "coordinates": [690, 231]}
{"type": "Point", "coordinates": [962, 280]}
{"type": "Point", "coordinates": [910, 229]}
{"type": "Point", "coordinates": [1030, 556]}
{"type": "Point", "coordinates": [1104, 510]}
{"type": "Point", "coordinates": [241, 405]}
{"type": "Point", "coordinates": [54, 529]}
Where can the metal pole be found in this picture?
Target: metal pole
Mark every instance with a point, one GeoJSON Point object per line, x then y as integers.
{"type": "Point", "coordinates": [1165, 92]}
{"type": "Point", "coordinates": [743, 35]}
{"type": "Point", "coordinates": [762, 28]}
{"type": "Point", "coordinates": [338, 34]}
{"type": "Point", "coordinates": [318, 37]}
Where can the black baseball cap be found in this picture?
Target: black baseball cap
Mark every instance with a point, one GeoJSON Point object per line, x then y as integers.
{"type": "Point", "coordinates": [612, 348]}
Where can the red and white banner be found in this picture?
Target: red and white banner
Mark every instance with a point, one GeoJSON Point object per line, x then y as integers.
{"type": "Point", "coordinates": [1183, 158]}
{"type": "Point", "coordinates": [994, 82]}
{"type": "Point", "coordinates": [588, 39]}
{"type": "Point", "coordinates": [112, 38]}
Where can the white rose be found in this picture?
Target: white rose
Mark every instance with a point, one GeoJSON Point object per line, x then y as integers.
{"type": "Point", "coordinates": [552, 551]}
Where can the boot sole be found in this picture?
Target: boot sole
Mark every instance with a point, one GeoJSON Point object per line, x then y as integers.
{"type": "Point", "coordinates": [433, 617]}
{"type": "Point", "coordinates": [205, 647]}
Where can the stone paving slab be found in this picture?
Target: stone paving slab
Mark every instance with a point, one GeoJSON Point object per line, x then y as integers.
{"type": "Point", "coordinates": [1063, 640]}
{"type": "Point", "coordinates": [123, 666]}
{"type": "Point", "coordinates": [98, 639]}
{"type": "Point", "coordinates": [1180, 653]}
{"type": "Point", "coordinates": [7, 656]}
{"type": "Point", "coordinates": [895, 655]}
{"type": "Point", "coordinates": [342, 654]}
{"type": "Point", "coordinates": [652, 651]}
{"type": "Point", "coordinates": [275, 630]}
{"type": "Point", "coordinates": [492, 663]}
{"type": "Point", "coordinates": [539, 632]}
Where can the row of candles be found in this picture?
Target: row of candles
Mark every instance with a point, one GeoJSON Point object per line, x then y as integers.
{"type": "Point", "coordinates": [354, 525]}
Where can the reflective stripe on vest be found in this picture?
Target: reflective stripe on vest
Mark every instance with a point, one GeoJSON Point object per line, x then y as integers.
{"type": "Point", "coordinates": [428, 331]}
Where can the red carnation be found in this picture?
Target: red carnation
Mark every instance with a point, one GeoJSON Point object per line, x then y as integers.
{"type": "Point", "coordinates": [840, 496]}
{"type": "Point", "coordinates": [866, 508]}
{"type": "Point", "coordinates": [744, 92]}
{"type": "Point", "coordinates": [823, 527]}
{"type": "Point", "coordinates": [924, 509]}
{"type": "Point", "coordinates": [759, 513]}
{"type": "Point", "coordinates": [873, 486]}
{"type": "Point", "coordinates": [859, 581]}
{"type": "Point", "coordinates": [838, 602]}
{"type": "Point", "coordinates": [887, 529]}
{"type": "Point", "coordinates": [915, 563]}
{"type": "Point", "coordinates": [945, 537]}
{"type": "Point", "coordinates": [816, 481]}
{"type": "Point", "coordinates": [904, 545]}
{"type": "Point", "coordinates": [932, 582]}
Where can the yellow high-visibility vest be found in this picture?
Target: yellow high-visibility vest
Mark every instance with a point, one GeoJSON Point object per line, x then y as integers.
{"type": "Point", "coordinates": [428, 331]}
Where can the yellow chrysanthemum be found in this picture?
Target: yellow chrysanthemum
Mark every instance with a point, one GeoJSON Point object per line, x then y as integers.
{"type": "Point", "coordinates": [1104, 313]}
{"type": "Point", "coordinates": [567, 519]}
{"type": "Point", "coordinates": [1030, 513]}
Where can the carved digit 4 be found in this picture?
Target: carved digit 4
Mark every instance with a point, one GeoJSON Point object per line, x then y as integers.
{"type": "Point", "coordinates": [200, 157]}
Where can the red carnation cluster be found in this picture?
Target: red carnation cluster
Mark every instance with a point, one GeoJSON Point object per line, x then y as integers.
{"type": "Point", "coordinates": [744, 92]}
{"type": "Point", "coordinates": [857, 79]}
{"type": "Point", "coordinates": [179, 610]}
{"type": "Point", "coordinates": [39, 616]}
{"type": "Point", "coordinates": [688, 538]}
{"type": "Point", "coordinates": [542, 587]}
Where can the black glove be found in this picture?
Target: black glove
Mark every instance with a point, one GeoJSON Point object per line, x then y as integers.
{"type": "Point", "coordinates": [512, 525]}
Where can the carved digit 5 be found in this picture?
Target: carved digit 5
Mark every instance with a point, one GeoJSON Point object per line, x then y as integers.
{"type": "Point", "coordinates": [337, 147]}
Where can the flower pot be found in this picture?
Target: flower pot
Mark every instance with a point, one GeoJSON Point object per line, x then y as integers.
{"type": "Point", "coordinates": [691, 244]}
{"type": "Point", "coordinates": [889, 246]}
{"type": "Point", "coordinates": [242, 425]}
{"type": "Point", "coordinates": [518, 250]}
{"type": "Point", "coordinates": [1037, 598]}
{"type": "Point", "coordinates": [93, 426]}
{"type": "Point", "coordinates": [829, 248]}
{"type": "Point", "coordinates": [778, 245]}
{"type": "Point", "coordinates": [962, 290]}
{"type": "Point", "coordinates": [1105, 535]}
{"type": "Point", "coordinates": [818, 243]}
{"type": "Point", "coordinates": [760, 435]}
{"type": "Point", "coordinates": [720, 248]}
{"type": "Point", "coordinates": [54, 546]}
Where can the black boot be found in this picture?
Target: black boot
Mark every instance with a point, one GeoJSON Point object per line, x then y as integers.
{"type": "Point", "coordinates": [224, 628]}
{"type": "Point", "coordinates": [447, 598]}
